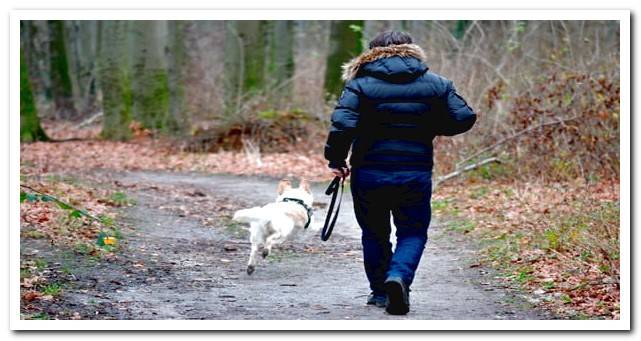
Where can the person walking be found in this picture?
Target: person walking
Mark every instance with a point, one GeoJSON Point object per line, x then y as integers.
{"type": "Point", "coordinates": [389, 111]}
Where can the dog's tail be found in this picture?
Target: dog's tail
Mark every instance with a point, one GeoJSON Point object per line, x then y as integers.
{"type": "Point", "coordinates": [249, 215]}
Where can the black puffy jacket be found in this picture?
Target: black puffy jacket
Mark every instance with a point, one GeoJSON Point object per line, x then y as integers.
{"type": "Point", "coordinates": [391, 109]}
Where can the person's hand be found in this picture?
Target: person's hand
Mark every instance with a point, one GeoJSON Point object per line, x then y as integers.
{"type": "Point", "coordinates": [341, 171]}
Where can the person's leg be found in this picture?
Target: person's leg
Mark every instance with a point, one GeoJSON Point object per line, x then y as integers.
{"type": "Point", "coordinates": [412, 219]}
{"type": "Point", "coordinates": [373, 216]}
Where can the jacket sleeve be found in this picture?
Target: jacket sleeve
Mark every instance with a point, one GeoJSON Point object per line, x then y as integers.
{"type": "Point", "coordinates": [343, 126]}
{"type": "Point", "coordinates": [460, 117]}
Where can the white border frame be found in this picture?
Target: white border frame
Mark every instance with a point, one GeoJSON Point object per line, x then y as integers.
{"type": "Point", "coordinates": [623, 16]}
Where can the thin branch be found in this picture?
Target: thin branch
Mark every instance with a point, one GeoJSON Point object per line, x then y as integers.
{"type": "Point", "coordinates": [90, 120]}
{"type": "Point", "coordinates": [490, 65]}
{"type": "Point", "coordinates": [59, 201]}
{"type": "Point", "coordinates": [513, 136]}
{"type": "Point", "coordinates": [473, 166]}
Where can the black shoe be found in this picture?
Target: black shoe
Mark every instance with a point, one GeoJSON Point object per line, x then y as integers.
{"type": "Point", "coordinates": [378, 300]}
{"type": "Point", "coordinates": [398, 299]}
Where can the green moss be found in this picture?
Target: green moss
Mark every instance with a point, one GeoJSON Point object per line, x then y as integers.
{"type": "Point", "coordinates": [235, 229]}
{"type": "Point", "coordinates": [117, 108]}
{"type": "Point", "coordinates": [40, 263]}
{"type": "Point", "coordinates": [462, 226]}
{"type": "Point", "coordinates": [245, 60]}
{"type": "Point", "coordinates": [345, 43]}
{"type": "Point", "coordinates": [491, 171]}
{"type": "Point", "coordinates": [253, 36]}
{"type": "Point", "coordinates": [150, 78]}
{"type": "Point", "coordinates": [59, 62]}
{"type": "Point", "coordinates": [120, 199]}
{"type": "Point", "coordinates": [280, 63]}
{"type": "Point", "coordinates": [439, 205]}
{"type": "Point", "coordinates": [115, 82]}
{"type": "Point", "coordinates": [155, 101]}
{"type": "Point", "coordinates": [53, 289]}
{"type": "Point", "coordinates": [25, 273]}
{"type": "Point", "coordinates": [38, 316]}
{"type": "Point", "coordinates": [61, 85]}
{"type": "Point", "coordinates": [30, 129]}
{"type": "Point", "coordinates": [35, 234]}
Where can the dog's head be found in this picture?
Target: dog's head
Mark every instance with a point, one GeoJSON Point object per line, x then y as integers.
{"type": "Point", "coordinates": [302, 192]}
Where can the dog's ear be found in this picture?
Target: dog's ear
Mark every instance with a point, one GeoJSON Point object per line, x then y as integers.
{"type": "Point", "coordinates": [283, 185]}
{"type": "Point", "coordinates": [304, 185]}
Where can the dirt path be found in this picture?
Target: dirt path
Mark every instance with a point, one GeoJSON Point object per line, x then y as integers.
{"type": "Point", "coordinates": [184, 259]}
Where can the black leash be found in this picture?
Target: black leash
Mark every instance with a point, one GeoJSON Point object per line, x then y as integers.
{"type": "Point", "coordinates": [332, 190]}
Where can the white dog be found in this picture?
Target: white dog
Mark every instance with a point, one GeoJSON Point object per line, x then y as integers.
{"type": "Point", "coordinates": [277, 222]}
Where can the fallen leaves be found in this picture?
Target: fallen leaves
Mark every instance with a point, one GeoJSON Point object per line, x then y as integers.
{"type": "Point", "coordinates": [147, 154]}
{"type": "Point", "coordinates": [45, 219]}
{"type": "Point", "coordinates": [558, 240]}
{"type": "Point", "coordinates": [31, 295]}
{"type": "Point", "coordinates": [30, 282]}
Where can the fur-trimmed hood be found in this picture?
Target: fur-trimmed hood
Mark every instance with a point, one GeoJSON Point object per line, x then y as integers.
{"type": "Point", "coordinates": [351, 68]}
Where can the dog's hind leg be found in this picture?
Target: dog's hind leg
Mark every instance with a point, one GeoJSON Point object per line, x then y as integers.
{"type": "Point", "coordinates": [256, 240]}
{"type": "Point", "coordinates": [251, 265]}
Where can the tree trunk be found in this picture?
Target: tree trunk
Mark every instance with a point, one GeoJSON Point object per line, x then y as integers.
{"type": "Point", "coordinates": [310, 51]}
{"type": "Point", "coordinates": [150, 79]}
{"type": "Point", "coordinates": [82, 43]}
{"type": "Point", "coordinates": [34, 41]}
{"type": "Point", "coordinates": [345, 43]}
{"type": "Point", "coordinates": [114, 80]}
{"type": "Point", "coordinates": [61, 86]}
{"type": "Point", "coordinates": [253, 34]}
{"type": "Point", "coordinates": [28, 44]}
{"type": "Point", "coordinates": [30, 128]}
{"type": "Point", "coordinates": [177, 58]}
{"type": "Point", "coordinates": [234, 68]}
{"type": "Point", "coordinates": [245, 46]}
{"type": "Point", "coordinates": [205, 69]}
{"type": "Point", "coordinates": [280, 61]}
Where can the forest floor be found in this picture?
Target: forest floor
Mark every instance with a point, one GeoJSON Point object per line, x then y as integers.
{"type": "Point", "coordinates": [492, 254]}
{"type": "Point", "coordinates": [181, 258]}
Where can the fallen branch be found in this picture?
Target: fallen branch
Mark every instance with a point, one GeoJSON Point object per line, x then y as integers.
{"type": "Point", "coordinates": [90, 120]}
{"type": "Point", "coordinates": [466, 169]}
{"type": "Point", "coordinates": [82, 124]}
{"type": "Point", "coordinates": [64, 204]}
{"type": "Point", "coordinates": [513, 136]}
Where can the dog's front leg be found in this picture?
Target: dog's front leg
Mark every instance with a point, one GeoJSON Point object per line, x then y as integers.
{"type": "Point", "coordinates": [276, 238]}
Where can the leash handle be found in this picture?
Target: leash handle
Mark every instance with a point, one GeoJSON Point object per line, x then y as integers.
{"type": "Point", "coordinates": [330, 220]}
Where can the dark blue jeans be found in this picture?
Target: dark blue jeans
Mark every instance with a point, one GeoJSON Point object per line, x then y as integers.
{"type": "Point", "coordinates": [406, 196]}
